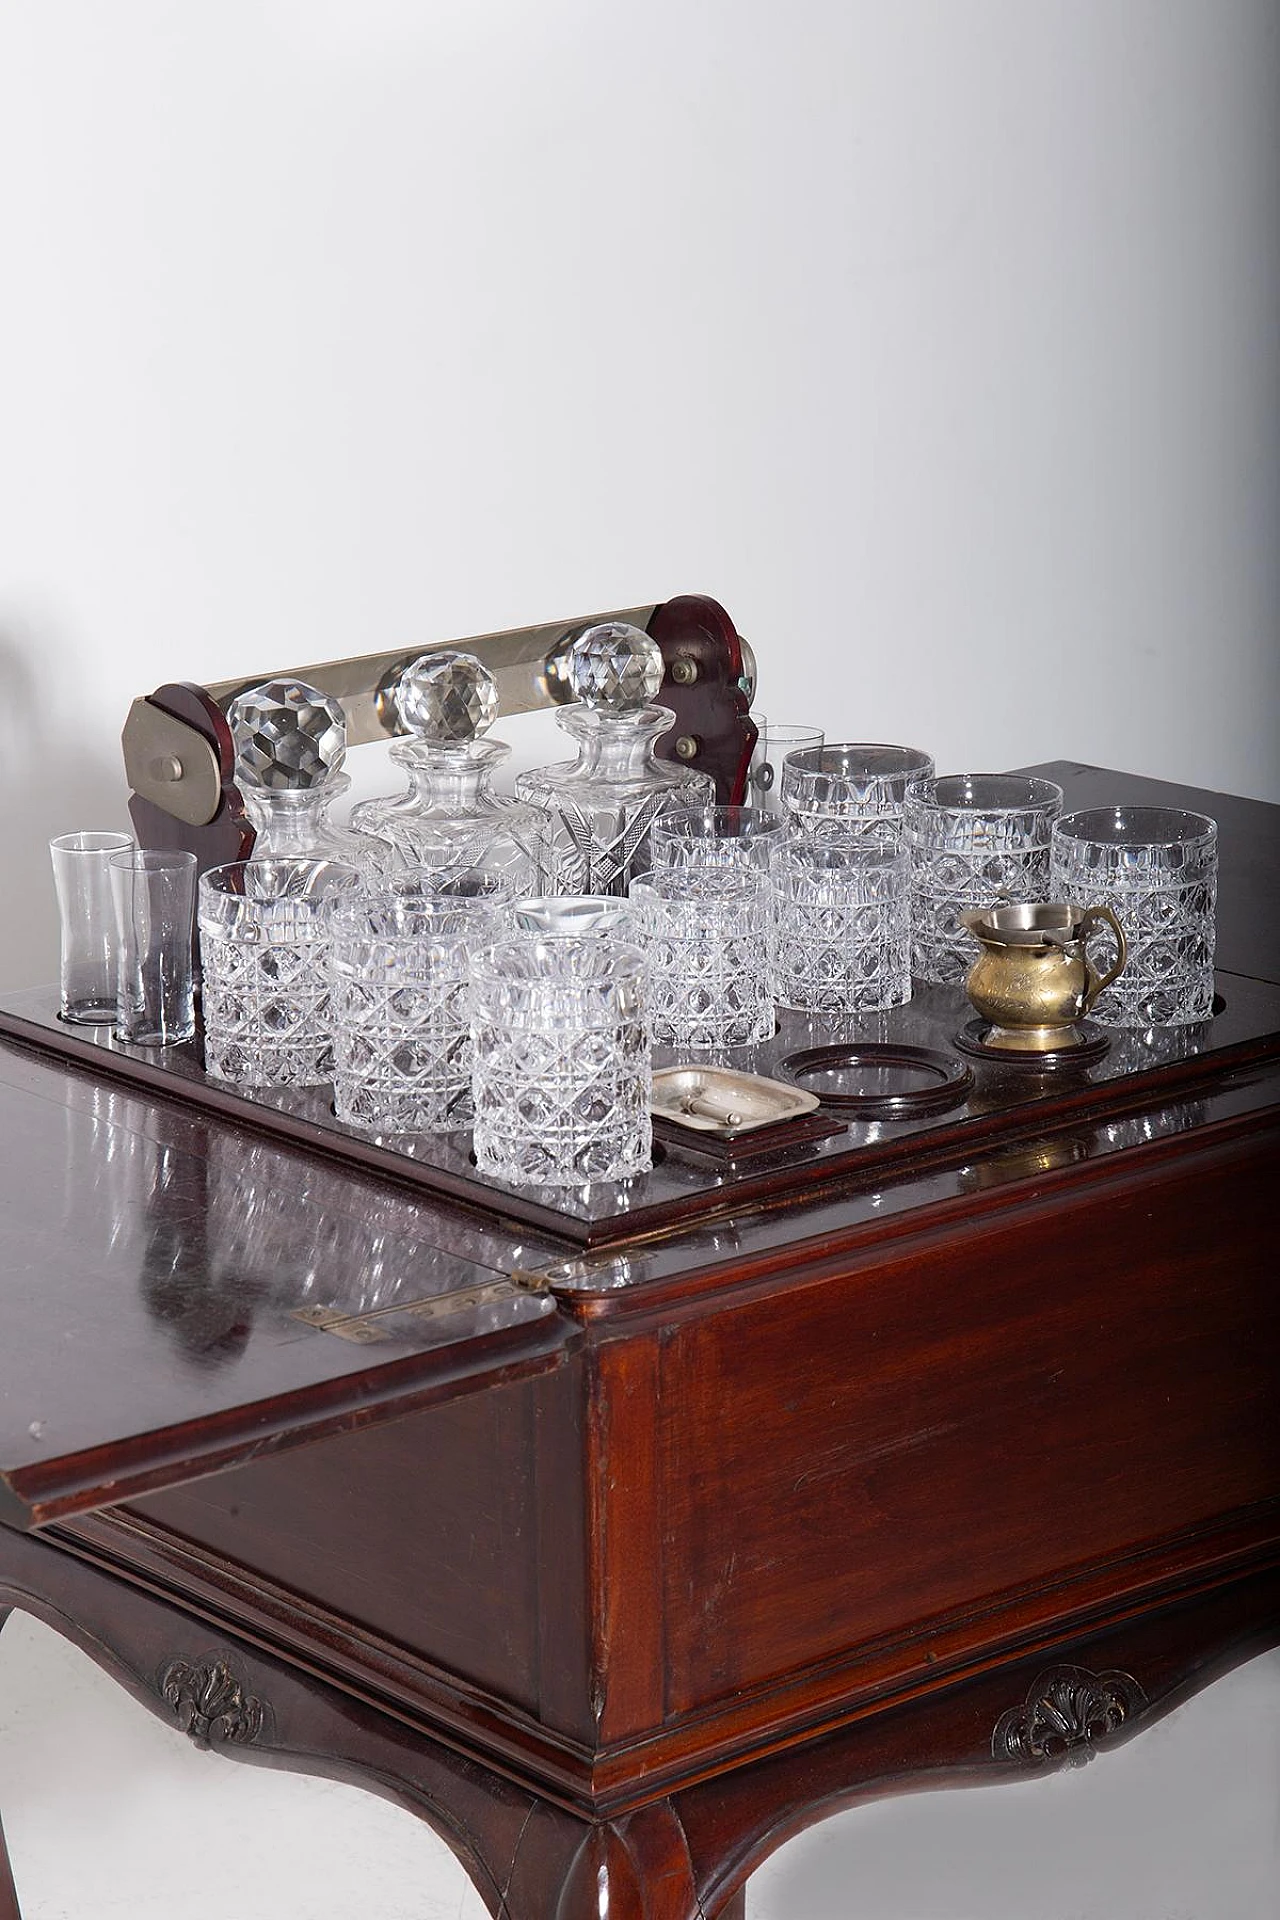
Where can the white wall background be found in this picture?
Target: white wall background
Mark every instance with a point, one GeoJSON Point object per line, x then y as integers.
{"type": "Point", "coordinates": [937, 339]}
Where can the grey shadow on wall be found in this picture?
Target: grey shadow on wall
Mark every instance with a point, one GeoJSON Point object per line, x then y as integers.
{"type": "Point", "coordinates": [50, 782]}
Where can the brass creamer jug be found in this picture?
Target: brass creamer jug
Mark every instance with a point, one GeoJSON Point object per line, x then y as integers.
{"type": "Point", "coordinates": [1033, 980]}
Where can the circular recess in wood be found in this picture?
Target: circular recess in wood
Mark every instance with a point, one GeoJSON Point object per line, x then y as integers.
{"type": "Point", "coordinates": [879, 1081]}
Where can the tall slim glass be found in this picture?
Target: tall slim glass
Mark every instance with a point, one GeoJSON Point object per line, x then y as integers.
{"type": "Point", "coordinates": [976, 839]}
{"type": "Point", "coordinates": [90, 946]}
{"type": "Point", "coordinates": [154, 892]}
{"type": "Point", "coordinates": [1157, 869]}
{"type": "Point", "coordinates": [775, 741]}
{"type": "Point", "coordinates": [561, 1077]}
{"type": "Point", "coordinates": [264, 949]}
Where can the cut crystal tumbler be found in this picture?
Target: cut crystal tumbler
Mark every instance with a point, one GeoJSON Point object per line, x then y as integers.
{"type": "Point", "coordinates": [561, 1077]}
{"type": "Point", "coordinates": [704, 931]}
{"type": "Point", "coordinates": [264, 951]}
{"type": "Point", "coordinates": [841, 924]}
{"type": "Point", "coordinates": [1157, 869]}
{"type": "Point", "coordinates": [701, 839]}
{"type": "Point", "coordinates": [976, 840]}
{"type": "Point", "coordinates": [839, 792]}
{"type": "Point", "coordinates": [401, 965]}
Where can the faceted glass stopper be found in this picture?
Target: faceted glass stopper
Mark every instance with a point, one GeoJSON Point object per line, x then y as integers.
{"type": "Point", "coordinates": [447, 697]}
{"type": "Point", "coordinates": [615, 666]}
{"type": "Point", "coordinates": [287, 735]}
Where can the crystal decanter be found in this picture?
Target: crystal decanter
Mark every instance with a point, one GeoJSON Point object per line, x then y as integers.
{"type": "Point", "coordinates": [602, 804]}
{"type": "Point", "coordinates": [290, 741]}
{"type": "Point", "coordinates": [449, 818]}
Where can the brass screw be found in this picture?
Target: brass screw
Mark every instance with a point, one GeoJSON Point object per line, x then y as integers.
{"type": "Point", "coordinates": [686, 747]}
{"type": "Point", "coordinates": [684, 671]}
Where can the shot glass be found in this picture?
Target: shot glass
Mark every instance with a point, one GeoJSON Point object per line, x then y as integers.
{"type": "Point", "coordinates": [841, 924]}
{"type": "Point", "coordinates": [561, 1075]}
{"type": "Point", "coordinates": [705, 932]}
{"type": "Point", "coordinates": [1157, 869]}
{"type": "Point", "coordinates": [775, 741]}
{"type": "Point", "coordinates": [90, 946]}
{"type": "Point", "coordinates": [154, 895]}
{"type": "Point", "coordinates": [841, 791]}
{"type": "Point", "coordinates": [264, 951]}
{"type": "Point", "coordinates": [400, 970]}
{"type": "Point", "coordinates": [976, 839]}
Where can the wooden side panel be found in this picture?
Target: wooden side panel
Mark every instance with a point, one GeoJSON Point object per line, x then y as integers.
{"type": "Point", "coordinates": [970, 1418]}
{"type": "Point", "coordinates": [426, 1532]}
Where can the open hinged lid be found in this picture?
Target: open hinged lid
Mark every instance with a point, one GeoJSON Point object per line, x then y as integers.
{"type": "Point", "coordinates": [177, 1295]}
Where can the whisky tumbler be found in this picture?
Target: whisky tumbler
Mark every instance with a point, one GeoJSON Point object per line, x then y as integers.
{"type": "Point", "coordinates": [264, 952]}
{"type": "Point", "coordinates": [839, 792]}
{"type": "Point", "coordinates": [400, 970]}
{"type": "Point", "coordinates": [841, 924]}
{"type": "Point", "coordinates": [561, 1074]}
{"type": "Point", "coordinates": [1157, 869]}
{"type": "Point", "coordinates": [976, 840]}
{"type": "Point", "coordinates": [705, 932]}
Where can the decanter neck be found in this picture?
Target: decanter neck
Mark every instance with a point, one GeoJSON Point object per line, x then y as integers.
{"type": "Point", "coordinates": [292, 821]}
{"type": "Point", "coordinates": [616, 746]}
{"type": "Point", "coordinates": [450, 779]}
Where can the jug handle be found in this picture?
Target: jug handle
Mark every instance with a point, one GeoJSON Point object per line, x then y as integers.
{"type": "Point", "coordinates": [1095, 981]}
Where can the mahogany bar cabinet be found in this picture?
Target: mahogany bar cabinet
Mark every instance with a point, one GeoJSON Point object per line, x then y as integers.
{"type": "Point", "coordinates": [620, 1534]}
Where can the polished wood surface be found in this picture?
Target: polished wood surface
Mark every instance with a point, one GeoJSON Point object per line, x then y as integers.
{"type": "Point", "coordinates": [620, 1561]}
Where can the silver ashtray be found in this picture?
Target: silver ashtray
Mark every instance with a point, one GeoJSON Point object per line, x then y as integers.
{"type": "Point", "coordinates": [717, 1100]}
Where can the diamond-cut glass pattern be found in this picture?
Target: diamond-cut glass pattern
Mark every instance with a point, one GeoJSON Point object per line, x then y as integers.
{"type": "Point", "coordinates": [976, 840]}
{"type": "Point", "coordinates": [615, 666]}
{"type": "Point", "coordinates": [705, 936]}
{"type": "Point", "coordinates": [264, 950]}
{"type": "Point", "coordinates": [1156, 868]}
{"type": "Point", "coordinates": [287, 735]}
{"type": "Point", "coordinates": [401, 968]}
{"type": "Point", "coordinates": [561, 1075]}
{"type": "Point", "coordinates": [840, 928]}
{"type": "Point", "coordinates": [447, 696]}
{"type": "Point", "coordinates": [840, 791]}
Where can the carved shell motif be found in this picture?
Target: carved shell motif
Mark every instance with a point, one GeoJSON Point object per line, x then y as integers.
{"type": "Point", "coordinates": [1067, 1710]}
{"type": "Point", "coordinates": [211, 1705]}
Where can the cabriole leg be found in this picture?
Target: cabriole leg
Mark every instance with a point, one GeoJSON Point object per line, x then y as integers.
{"type": "Point", "coordinates": [9, 1909]}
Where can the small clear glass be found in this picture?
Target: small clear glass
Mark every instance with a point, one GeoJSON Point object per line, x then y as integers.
{"type": "Point", "coordinates": [705, 931]}
{"type": "Point", "coordinates": [1157, 869]}
{"type": "Point", "coordinates": [844, 790]}
{"type": "Point", "coordinates": [841, 924]}
{"type": "Point", "coordinates": [976, 840]}
{"type": "Point", "coordinates": [561, 1076]}
{"type": "Point", "coordinates": [401, 966]}
{"type": "Point", "coordinates": [699, 839]}
{"type": "Point", "coordinates": [154, 895]}
{"type": "Point", "coordinates": [264, 951]}
{"type": "Point", "coordinates": [90, 945]}
{"type": "Point", "coordinates": [774, 742]}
